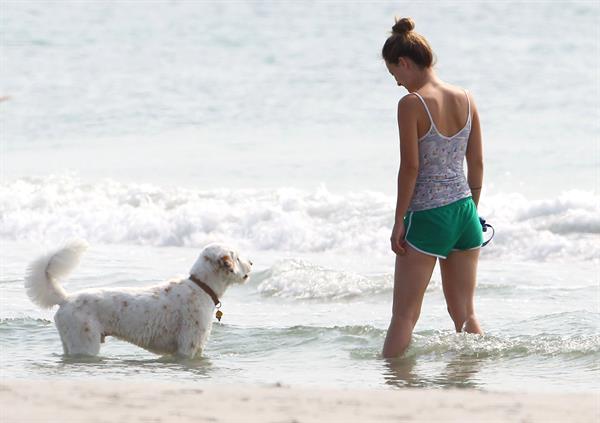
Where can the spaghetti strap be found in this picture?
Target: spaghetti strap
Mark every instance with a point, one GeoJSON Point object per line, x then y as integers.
{"type": "Point", "coordinates": [469, 106]}
{"type": "Point", "coordinates": [426, 108]}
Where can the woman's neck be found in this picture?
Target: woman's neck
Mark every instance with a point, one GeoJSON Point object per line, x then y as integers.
{"type": "Point", "coordinates": [422, 78]}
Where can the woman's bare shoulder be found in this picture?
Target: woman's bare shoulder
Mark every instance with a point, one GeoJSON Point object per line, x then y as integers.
{"type": "Point", "coordinates": [409, 101]}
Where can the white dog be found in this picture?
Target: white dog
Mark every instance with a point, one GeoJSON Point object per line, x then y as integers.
{"type": "Point", "coordinates": [172, 318]}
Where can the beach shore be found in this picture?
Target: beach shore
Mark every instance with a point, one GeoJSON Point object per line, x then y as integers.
{"type": "Point", "coordinates": [151, 401]}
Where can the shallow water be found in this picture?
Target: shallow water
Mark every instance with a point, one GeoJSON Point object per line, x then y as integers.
{"type": "Point", "coordinates": [151, 131]}
{"type": "Point", "coordinates": [300, 322]}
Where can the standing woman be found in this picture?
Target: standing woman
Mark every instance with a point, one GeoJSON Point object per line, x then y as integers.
{"type": "Point", "coordinates": [436, 209]}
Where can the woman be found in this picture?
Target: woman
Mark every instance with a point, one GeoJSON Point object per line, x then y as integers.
{"type": "Point", "coordinates": [436, 209]}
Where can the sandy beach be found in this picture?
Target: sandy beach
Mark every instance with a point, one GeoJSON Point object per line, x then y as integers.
{"type": "Point", "coordinates": [118, 401]}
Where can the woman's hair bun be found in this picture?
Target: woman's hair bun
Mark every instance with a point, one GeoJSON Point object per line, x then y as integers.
{"type": "Point", "coordinates": [403, 26]}
{"type": "Point", "coordinates": [404, 42]}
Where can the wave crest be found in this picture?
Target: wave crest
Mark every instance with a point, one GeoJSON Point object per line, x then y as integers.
{"type": "Point", "coordinates": [301, 280]}
{"type": "Point", "coordinates": [54, 208]}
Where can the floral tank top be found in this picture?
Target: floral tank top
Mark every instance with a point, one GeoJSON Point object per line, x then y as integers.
{"type": "Point", "coordinates": [441, 179]}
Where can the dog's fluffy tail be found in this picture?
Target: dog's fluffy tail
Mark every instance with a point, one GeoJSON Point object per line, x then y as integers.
{"type": "Point", "coordinates": [42, 279]}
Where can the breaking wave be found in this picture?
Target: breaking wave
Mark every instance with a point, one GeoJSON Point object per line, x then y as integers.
{"type": "Point", "coordinates": [55, 208]}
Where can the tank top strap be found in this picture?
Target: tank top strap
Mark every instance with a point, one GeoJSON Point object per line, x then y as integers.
{"type": "Point", "coordinates": [468, 105]}
{"type": "Point", "coordinates": [426, 108]}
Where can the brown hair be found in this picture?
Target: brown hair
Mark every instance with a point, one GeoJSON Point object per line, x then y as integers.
{"type": "Point", "coordinates": [404, 42]}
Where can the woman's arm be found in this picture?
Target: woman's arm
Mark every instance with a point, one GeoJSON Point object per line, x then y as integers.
{"type": "Point", "coordinates": [409, 165]}
{"type": "Point", "coordinates": [409, 153]}
{"type": "Point", "coordinates": [474, 156]}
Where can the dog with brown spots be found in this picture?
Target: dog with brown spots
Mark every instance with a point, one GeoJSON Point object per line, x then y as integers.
{"type": "Point", "coordinates": [172, 318]}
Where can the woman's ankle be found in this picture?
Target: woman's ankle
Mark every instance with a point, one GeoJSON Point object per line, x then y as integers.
{"type": "Point", "coordinates": [471, 325]}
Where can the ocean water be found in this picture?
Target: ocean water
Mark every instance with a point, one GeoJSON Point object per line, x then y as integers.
{"type": "Point", "coordinates": [153, 128]}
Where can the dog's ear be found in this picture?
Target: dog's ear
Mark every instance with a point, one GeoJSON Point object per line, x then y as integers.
{"type": "Point", "coordinates": [226, 263]}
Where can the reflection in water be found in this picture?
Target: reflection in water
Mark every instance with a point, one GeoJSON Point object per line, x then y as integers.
{"type": "Point", "coordinates": [399, 372]}
{"type": "Point", "coordinates": [459, 372]}
{"type": "Point", "coordinates": [95, 366]}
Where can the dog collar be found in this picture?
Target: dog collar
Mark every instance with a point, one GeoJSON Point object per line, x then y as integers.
{"type": "Point", "coordinates": [211, 294]}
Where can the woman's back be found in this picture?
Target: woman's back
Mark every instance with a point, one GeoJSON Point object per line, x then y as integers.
{"type": "Point", "coordinates": [449, 107]}
{"type": "Point", "coordinates": [441, 178]}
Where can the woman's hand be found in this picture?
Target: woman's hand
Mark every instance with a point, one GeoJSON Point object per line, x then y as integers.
{"type": "Point", "coordinates": [397, 239]}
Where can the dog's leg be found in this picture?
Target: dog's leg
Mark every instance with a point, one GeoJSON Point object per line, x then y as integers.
{"type": "Point", "coordinates": [79, 336]}
{"type": "Point", "coordinates": [64, 344]}
{"type": "Point", "coordinates": [189, 342]}
{"type": "Point", "coordinates": [61, 326]}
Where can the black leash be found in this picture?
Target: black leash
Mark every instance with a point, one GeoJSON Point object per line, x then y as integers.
{"type": "Point", "coordinates": [484, 227]}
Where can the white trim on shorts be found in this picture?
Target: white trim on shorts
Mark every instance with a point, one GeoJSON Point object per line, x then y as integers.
{"type": "Point", "coordinates": [409, 223]}
{"type": "Point", "coordinates": [468, 249]}
{"type": "Point", "coordinates": [424, 252]}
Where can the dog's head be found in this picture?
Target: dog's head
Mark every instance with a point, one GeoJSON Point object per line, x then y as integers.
{"type": "Point", "coordinates": [223, 262]}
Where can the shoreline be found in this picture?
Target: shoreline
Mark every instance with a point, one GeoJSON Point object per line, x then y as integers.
{"type": "Point", "coordinates": [88, 400]}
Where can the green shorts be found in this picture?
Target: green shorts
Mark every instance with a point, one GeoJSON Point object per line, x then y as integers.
{"type": "Point", "coordinates": [441, 230]}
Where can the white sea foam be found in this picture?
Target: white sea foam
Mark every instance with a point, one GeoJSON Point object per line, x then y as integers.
{"type": "Point", "coordinates": [300, 280]}
{"type": "Point", "coordinates": [55, 208]}
{"type": "Point", "coordinates": [561, 227]}
{"type": "Point", "coordinates": [437, 342]}
{"type": "Point", "coordinates": [303, 280]}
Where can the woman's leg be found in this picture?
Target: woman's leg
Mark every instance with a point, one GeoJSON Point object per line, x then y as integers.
{"type": "Point", "coordinates": [459, 278]}
{"type": "Point", "coordinates": [411, 276]}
